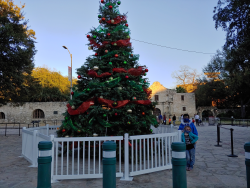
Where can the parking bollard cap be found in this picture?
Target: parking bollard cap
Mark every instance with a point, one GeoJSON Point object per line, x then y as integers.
{"type": "Point", "coordinates": [109, 146]}
{"type": "Point", "coordinates": [178, 146]}
{"type": "Point", "coordinates": [45, 145]}
{"type": "Point", "coordinates": [247, 147]}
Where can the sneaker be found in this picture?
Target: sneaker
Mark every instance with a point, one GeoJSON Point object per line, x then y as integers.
{"type": "Point", "coordinates": [188, 169]}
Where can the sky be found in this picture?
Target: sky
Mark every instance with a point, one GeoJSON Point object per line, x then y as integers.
{"type": "Point", "coordinates": [182, 24]}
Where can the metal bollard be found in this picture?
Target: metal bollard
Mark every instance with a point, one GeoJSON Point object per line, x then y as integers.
{"type": "Point", "coordinates": [232, 145]}
{"type": "Point", "coordinates": [218, 136]}
{"type": "Point", "coordinates": [179, 164]}
{"type": "Point", "coordinates": [44, 164]}
{"type": "Point", "coordinates": [247, 162]}
{"type": "Point", "coordinates": [109, 164]}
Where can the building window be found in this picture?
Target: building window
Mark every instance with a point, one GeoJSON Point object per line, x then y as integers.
{"type": "Point", "coordinates": [156, 97]}
{"type": "Point", "coordinates": [183, 108]}
{"type": "Point", "coordinates": [2, 115]}
{"type": "Point", "coordinates": [182, 97]}
{"type": "Point", "coordinates": [55, 112]}
{"type": "Point", "coordinates": [37, 114]}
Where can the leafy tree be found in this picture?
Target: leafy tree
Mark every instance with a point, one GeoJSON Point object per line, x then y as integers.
{"type": "Point", "coordinates": [181, 90]}
{"type": "Point", "coordinates": [111, 96]}
{"type": "Point", "coordinates": [17, 50]}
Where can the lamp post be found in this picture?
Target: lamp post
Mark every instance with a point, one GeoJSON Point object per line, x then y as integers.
{"type": "Point", "coordinates": [71, 70]}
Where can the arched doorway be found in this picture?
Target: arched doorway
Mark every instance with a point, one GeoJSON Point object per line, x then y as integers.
{"type": "Point", "coordinates": [37, 114]}
{"type": "Point", "coordinates": [207, 113]}
{"type": "Point", "coordinates": [2, 115]}
{"type": "Point", "coordinates": [157, 112]}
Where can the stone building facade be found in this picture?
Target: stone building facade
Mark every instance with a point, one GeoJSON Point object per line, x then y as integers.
{"type": "Point", "coordinates": [170, 102]}
{"type": "Point", "coordinates": [32, 111]}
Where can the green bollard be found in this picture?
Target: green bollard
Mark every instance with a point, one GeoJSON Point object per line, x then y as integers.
{"type": "Point", "coordinates": [179, 164]}
{"type": "Point", "coordinates": [247, 162]}
{"type": "Point", "coordinates": [44, 164]}
{"type": "Point", "coordinates": [109, 164]}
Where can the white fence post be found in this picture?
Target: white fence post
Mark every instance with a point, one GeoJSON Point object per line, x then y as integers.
{"type": "Point", "coordinates": [23, 138]}
{"type": "Point", "coordinates": [47, 126]}
{"type": "Point", "coordinates": [53, 158]}
{"type": "Point", "coordinates": [179, 135]}
{"type": "Point", "coordinates": [126, 160]}
{"type": "Point", "coordinates": [34, 149]}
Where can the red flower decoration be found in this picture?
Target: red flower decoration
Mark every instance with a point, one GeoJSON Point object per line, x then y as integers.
{"type": "Point", "coordinates": [78, 76]}
{"type": "Point", "coordinates": [88, 36]}
{"type": "Point", "coordinates": [116, 55]}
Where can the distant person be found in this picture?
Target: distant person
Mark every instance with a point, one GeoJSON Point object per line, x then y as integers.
{"type": "Point", "coordinates": [197, 118]}
{"type": "Point", "coordinates": [160, 118]}
{"type": "Point", "coordinates": [193, 120]}
{"type": "Point", "coordinates": [174, 119]}
{"type": "Point", "coordinates": [169, 121]}
{"type": "Point", "coordinates": [164, 120]}
{"type": "Point", "coordinates": [189, 139]}
{"type": "Point", "coordinates": [181, 116]}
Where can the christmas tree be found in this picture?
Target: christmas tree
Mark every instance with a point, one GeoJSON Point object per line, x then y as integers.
{"type": "Point", "coordinates": [111, 96]}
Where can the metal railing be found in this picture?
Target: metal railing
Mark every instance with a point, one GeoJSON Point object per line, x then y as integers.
{"type": "Point", "coordinates": [234, 122]}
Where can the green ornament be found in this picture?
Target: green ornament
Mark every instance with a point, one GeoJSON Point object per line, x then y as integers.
{"type": "Point", "coordinates": [94, 36]}
{"type": "Point", "coordinates": [115, 104]}
{"type": "Point", "coordinates": [128, 36]}
{"type": "Point", "coordinates": [125, 62]}
{"type": "Point", "coordinates": [99, 16]}
{"type": "Point", "coordinates": [110, 63]}
{"type": "Point", "coordinates": [151, 130]}
{"type": "Point", "coordinates": [88, 89]}
{"type": "Point", "coordinates": [119, 2]}
{"type": "Point", "coordinates": [66, 118]}
{"type": "Point", "coordinates": [128, 122]}
{"type": "Point", "coordinates": [104, 115]}
{"type": "Point", "coordinates": [145, 74]}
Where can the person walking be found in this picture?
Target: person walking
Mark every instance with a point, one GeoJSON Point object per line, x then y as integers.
{"type": "Point", "coordinates": [197, 118]}
{"type": "Point", "coordinates": [164, 120]}
{"type": "Point", "coordinates": [174, 119]}
{"type": "Point", "coordinates": [189, 139]}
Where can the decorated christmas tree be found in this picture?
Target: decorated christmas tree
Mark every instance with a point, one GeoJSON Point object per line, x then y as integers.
{"type": "Point", "coordinates": [111, 96]}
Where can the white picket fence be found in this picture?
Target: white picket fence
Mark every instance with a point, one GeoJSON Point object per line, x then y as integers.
{"type": "Point", "coordinates": [81, 157]}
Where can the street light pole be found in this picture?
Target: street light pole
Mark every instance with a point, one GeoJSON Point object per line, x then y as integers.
{"type": "Point", "coordinates": [71, 71]}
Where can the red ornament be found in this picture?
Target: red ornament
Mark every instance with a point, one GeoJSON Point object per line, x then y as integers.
{"type": "Point", "coordinates": [126, 25]}
{"type": "Point", "coordinates": [126, 77]}
{"type": "Point", "coordinates": [146, 70]}
{"type": "Point", "coordinates": [145, 81]}
{"type": "Point", "coordinates": [72, 93]}
{"type": "Point", "coordinates": [63, 130]}
{"type": "Point", "coordinates": [96, 54]}
{"type": "Point", "coordinates": [103, 19]}
{"type": "Point", "coordinates": [131, 55]}
{"type": "Point", "coordinates": [143, 113]}
{"type": "Point", "coordinates": [106, 51]}
{"type": "Point", "coordinates": [108, 34]}
{"type": "Point", "coordinates": [116, 55]}
{"type": "Point", "coordinates": [79, 76]}
{"type": "Point", "coordinates": [88, 36]}
{"type": "Point", "coordinates": [116, 114]}
{"type": "Point", "coordinates": [110, 7]}
{"type": "Point", "coordinates": [102, 1]}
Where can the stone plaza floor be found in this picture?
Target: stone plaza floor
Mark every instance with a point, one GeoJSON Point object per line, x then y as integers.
{"type": "Point", "coordinates": [213, 168]}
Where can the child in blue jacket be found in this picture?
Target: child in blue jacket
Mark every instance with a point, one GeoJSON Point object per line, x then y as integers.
{"type": "Point", "coordinates": [189, 139]}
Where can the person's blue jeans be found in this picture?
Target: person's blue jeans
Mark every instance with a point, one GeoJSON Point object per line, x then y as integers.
{"type": "Point", "coordinates": [190, 156]}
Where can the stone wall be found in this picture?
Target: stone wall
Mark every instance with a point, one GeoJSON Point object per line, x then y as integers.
{"type": "Point", "coordinates": [24, 113]}
{"type": "Point", "coordinates": [188, 103]}
{"type": "Point", "coordinates": [170, 102]}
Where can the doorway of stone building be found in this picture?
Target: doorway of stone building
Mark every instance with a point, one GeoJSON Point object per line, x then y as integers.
{"type": "Point", "coordinates": [156, 112]}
